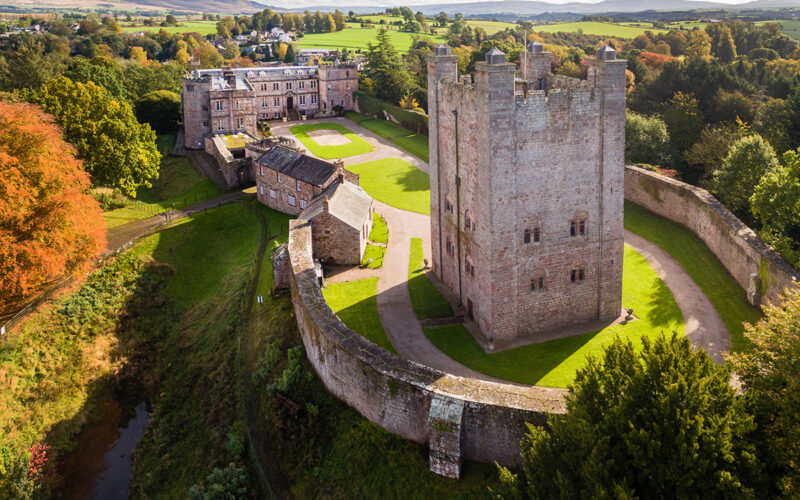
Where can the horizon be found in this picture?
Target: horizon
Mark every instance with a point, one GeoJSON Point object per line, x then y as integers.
{"type": "Point", "coordinates": [302, 4]}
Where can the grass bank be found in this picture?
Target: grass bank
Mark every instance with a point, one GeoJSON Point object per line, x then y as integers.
{"type": "Point", "coordinates": [401, 137]}
{"type": "Point", "coordinates": [356, 304]}
{"type": "Point", "coordinates": [554, 363]}
{"type": "Point", "coordinates": [395, 182]}
{"type": "Point", "coordinates": [178, 185]}
{"type": "Point", "coordinates": [426, 300]}
{"type": "Point", "coordinates": [356, 146]}
{"type": "Point", "coordinates": [727, 297]}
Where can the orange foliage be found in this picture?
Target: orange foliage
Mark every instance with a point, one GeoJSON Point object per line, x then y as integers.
{"type": "Point", "coordinates": [49, 225]}
{"type": "Point", "coordinates": [655, 61]}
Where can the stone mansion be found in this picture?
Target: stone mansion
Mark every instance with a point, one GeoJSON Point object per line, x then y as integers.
{"type": "Point", "coordinates": [229, 100]}
{"type": "Point", "coordinates": [527, 191]}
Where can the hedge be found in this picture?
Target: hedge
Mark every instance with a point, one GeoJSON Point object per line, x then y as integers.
{"type": "Point", "coordinates": [412, 120]}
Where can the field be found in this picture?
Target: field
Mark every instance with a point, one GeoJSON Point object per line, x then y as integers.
{"type": "Point", "coordinates": [395, 182]}
{"type": "Point", "coordinates": [491, 27]}
{"type": "Point", "coordinates": [791, 28]}
{"type": "Point", "coordinates": [554, 363]}
{"type": "Point", "coordinates": [358, 38]}
{"type": "Point", "coordinates": [595, 28]}
{"type": "Point", "coordinates": [202, 27]}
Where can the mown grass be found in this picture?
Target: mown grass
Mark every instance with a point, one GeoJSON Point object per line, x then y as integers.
{"type": "Point", "coordinates": [384, 128]}
{"type": "Point", "coordinates": [356, 304]}
{"type": "Point", "coordinates": [202, 27]}
{"type": "Point", "coordinates": [357, 117]}
{"type": "Point", "coordinates": [727, 297]}
{"type": "Point", "coordinates": [405, 139]}
{"type": "Point", "coordinates": [358, 38]}
{"type": "Point", "coordinates": [395, 182]}
{"type": "Point", "coordinates": [179, 184]}
{"type": "Point", "coordinates": [416, 144]}
{"type": "Point", "coordinates": [554, 363]}
{"type": "Point", "coordinates": [380, 231]}
{"type": "Point", "coordinates": [376, 254]}
{"type": "Point", "coordinates": [357, 145]}
{"type": "Point", "coordinates": [426, 300]}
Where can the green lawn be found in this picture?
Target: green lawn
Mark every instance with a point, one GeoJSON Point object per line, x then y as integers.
{"type": "Point", "coordinates": [179, 184]}
{"type": "Point", "coordinates": [416, 144]}
{"type": "Point", "coordinates": [357, 146]}
{"type": "Point", "coordinates": [401, 137]}
{"type": "Point", "coordinates": [727, 297]}
{"type": "Point", "coordinates": [356, 304]}
{"type": "Point", "coordinates": [374, 252]}
{"type": "Point", "coordinates": [395, 182]}
{"type": "Point", "coordinates": [386, 129]}
{"type": "Point", "coordinates": [425, 298]}
{"type": "Point", "coordinates": [380, 231]}
{"type": "Point", "coordinates": [554, 363]}
{"type": "Point", "coordinates": [357, 117]}
{"type": "Point", "coordinates": [357, 38]}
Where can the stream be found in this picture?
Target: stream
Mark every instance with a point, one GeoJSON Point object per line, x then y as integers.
{"type": "Point", "coordinates": [100, 466]}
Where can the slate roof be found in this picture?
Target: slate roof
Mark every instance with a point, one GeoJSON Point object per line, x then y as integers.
{"type": "Point", "coordinates": [297, 165]}
{"type": "Point", "coordinates": [347, 202]}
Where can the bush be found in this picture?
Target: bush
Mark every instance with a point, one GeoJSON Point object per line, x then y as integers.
{"type": "Point", "coordinates": [161, 109]}
{"type": "Point", "coordinates": [222, 484]}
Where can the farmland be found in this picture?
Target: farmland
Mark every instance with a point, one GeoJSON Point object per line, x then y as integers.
{"type": "Point", "coordinates": [202, 27]}
{"type": "Point", "coordinates": [596, 28]}
{"type": "Point", "coordinates": [791, 28]}
{"type": "Point", "coordinates": [358, 38]}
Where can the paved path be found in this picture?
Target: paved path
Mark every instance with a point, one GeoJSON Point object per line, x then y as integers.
{"type": "Point", "coordinates": [383, 147]}
{"type": "Point", "coordinates": [704, 326]}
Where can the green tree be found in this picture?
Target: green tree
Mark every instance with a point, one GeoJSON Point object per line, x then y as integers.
{"type": "Point", "coordinates": [770, 375]}
{"type": "Point", "coordinates": [773, 121]}
{"type": "Point", "coordinates": [386, 69]}
{"type": "Point", "coordinates": [100, 70]}
{"type": "Point", "coordinates": [662, 423]}
{"type": "Point", "coordinates": [116, 149]}
{"type": "Point", "coordinates": [230, 50]}
{"type": "Point", "coordinates": [14, 478]}
{"type": "Point", "coordinates": [647, 140]}
{"type": "Point", "coordinates": [29, 67]}
{"type": "Point", "coordinates": [228, 483]}
{"type": "Point", "coordinates": [684, 120]}
{"type": "Point", "coordinates": [290, 55]}
{"type": "Point", "coordinates": [161, 109]}
{"type": "Point", "coordinates": [748, 161]}
{"type": "Point", "coordinates": [726, 48]}
{"type": "Point", "coordinates": [730, 107]}
{"type": "Point", "coordinates": [776, 203]}
{"type": "Point", "coordinates": [706, 155]}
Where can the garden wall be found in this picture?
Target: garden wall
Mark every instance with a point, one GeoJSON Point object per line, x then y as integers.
{"type": "Point", "coordinates": [368, 105]}
{"type": "Point", "coordinates": [457, 417]}
{"type": "Point", "coordinates": [753, 264]}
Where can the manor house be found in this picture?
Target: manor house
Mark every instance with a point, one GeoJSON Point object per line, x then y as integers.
{"type": "Point", "coordinates": [230, 100]}
{"type": "Point", "coordinates": [527, 190]}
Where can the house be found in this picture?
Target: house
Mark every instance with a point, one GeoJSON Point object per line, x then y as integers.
{"type": "Point", "coordinates": [316, 56]}
{"type": "Point", "coordinates": [341, 219]}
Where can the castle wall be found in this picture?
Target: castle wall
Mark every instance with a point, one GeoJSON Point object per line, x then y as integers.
{"type": "Point", "coordinates": [196, 116]}
{"type": "Point", "coordinates": [335, 242]}
{"type": "Point", "coordinates": [396, 393]}
{"type": "Point", "coordinates": [739, 249]}
{"type": "Point", "coordinates": [336, 87]}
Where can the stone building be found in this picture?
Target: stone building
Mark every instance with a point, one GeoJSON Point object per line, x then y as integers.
{"type": "Point", "coordinates": [527, 190]}
{"type": "Point", "coordinates": [229, 100]}
{"type": "Point", "coordinates": [287, 180]}
{"type": "Point", "coordinates": [341, 219]}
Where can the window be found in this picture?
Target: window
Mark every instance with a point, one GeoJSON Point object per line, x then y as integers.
{"type": "Point", "coordinates": [572, 230]}
{"type": "Point", "coordinates": [240, 123]}
{"type": "Point", "coordinates": [205, 124]}
{"type": "Point", "coordinates": [220, 124]}
{"type": "Point", "coordinates": [467, 223]}
{"type": "Point", "coordinates": [347, 74]}
{"type": "Point", "coordinates": [263, 86]}
{"type": "Point", "coordinates": [288, 85]}
{"type": "Point", "coordinates": [205, 108]}
{"type": "Point", "coordinates": [448, 206]}
{"type": "Point", "coordinates": [279, 179]}
{"type": "Point", "coordinates": [348, 86]}
{"type": "Point", "coordinates": [238, 104]}
{"type": "Point", "coordinates": [313, 84]}
{"type": "Point", "coordinates": [468, 267]}
{"type": "Point", "coordinates": [577, 275]}
{"type": "Point", "coordinates": [298, 185]}
{"type": "Point", "coordinates": [264, 102]}
{"type": "Point", "coordinates": [272, 193]}
{"type": "Point", "coordinates": [292, 200]}
{"type": "Point", "coordinates": [449, 247]}
{"type": "Point", "coordinates": [301, 84]}
{"type": "Point", "coordinates": [537, 234]}
{"type": "Point", "coordinates": [303, 203]}
{"type": "Point", "coordinates": [527, 236]}
{"type": "Point", "coordinates": [190, 88]}
{"type": "Point", "coordinates": [218, 105]}
{"type": "Point", "coordinates": [276, 86]}
{"type": "Point", "coordinates": [302, 99]}
{"type": "Point", "coordinates": [277, 115]}
{"type": "Point", "coordinates": [329, 86]}
{"type": "Point", "coordinates": [313, 98]}
{"type": "Point", "coordinates": [261, 170]}
{"type": "Point", "coordinates": [260, 189]}
{"type": "Point", "coordinates": [276, 101]}
{"type": "Point", "coordinates": [537, 283]}
{"type": "Point", "coordinates": [582, 227]}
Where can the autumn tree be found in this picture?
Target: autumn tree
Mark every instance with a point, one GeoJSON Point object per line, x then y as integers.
{"type": "Point", "coordinates": [770, 375]}
{"type": "Point", "coordinates": [49, 225]}
{"type": "Point", "coordinates": [662, 423]}
{"type": "Point", "coordinates": [726, 48]}
{"type": "Point", "coordinates": [116, 149]}
{"type": "Point", "coordinates": [699, 45]}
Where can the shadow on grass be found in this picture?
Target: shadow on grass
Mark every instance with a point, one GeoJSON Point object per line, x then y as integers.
{"type": "Point", "coordinates": [414, 180]}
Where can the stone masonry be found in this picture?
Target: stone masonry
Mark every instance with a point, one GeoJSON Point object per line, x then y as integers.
{"type": "Point", "coordinates": [527, 190]}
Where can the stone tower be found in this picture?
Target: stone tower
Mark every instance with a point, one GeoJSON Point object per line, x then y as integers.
{"type": "Point", "coordinates": [527, 190]}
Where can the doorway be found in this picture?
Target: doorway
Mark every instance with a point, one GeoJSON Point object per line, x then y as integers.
{"type": "Point", "coordinates": [289, 103]}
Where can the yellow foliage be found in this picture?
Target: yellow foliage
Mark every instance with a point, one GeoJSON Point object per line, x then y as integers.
{"type": "Point", "coordinates": [139, 55]}
{"type": "Point", "coordinates": [282, 51]}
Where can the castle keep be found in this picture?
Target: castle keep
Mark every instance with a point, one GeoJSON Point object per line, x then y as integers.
{"type": "Point", "coordinates": [527, 190]}
{"type": "Point", "coordinates": [228, 100]}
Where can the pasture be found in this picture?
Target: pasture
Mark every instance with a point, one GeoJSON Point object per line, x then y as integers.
{"type": "Point", "coordinates": [595, 28]}
{"type": "Point", "coordinates": [202, 27]}
{"type": "Point", "coordinates": [358, 38]}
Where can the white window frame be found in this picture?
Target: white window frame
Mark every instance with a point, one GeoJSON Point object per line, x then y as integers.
{"type": "Point", "coordinates": [276, 86]}
{"type": "Point", "coordinates": [276, 101]}
{"type": "Point", "coordinates": [303, 204]}
{"type": "Point", "coordinates": [279, 179]}
{"type": "Point", "coordinates": [219, 105]}
{"type": "Point", "coordinates": [272, 193]}
{"type": "Point", "coordinates": [301, 84]}
{"type": "Point", "coordinates": [302, 100]}
{"type": "Point", "coordinates": [313, 84]}
{"type": "Point", "coordinates": [292, 200]}
{"type": "Point", "coordinates": [288, 85]}
{"type": "Point", "coordinates": [298, 184]}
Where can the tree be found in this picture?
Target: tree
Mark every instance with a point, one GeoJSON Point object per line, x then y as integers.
{"type": "Point", "coordinates": [707, 154]}
{"type": "Point", "coordinates": [116, 149]}
{"type": "Point", "coordinates": [699, 45]}
{"type": "Point", "coordinates": [726, 48]}
{"type": "Point", "coordinates": [748, 160]}
{"type": "Point", "coordinates": [208, 56]}
{"type": "Point", "coordinates": [138, 54]}
{"type": "Point", "coordinates": [662, 423]}
{"type": "Point", "coordinates": [442, 19]}
{"type": "Point", "coordinates": [290, 56]}
{"type": "Point", "coordinates": [770, 375]}
{"type": "Point", "coordinates": [182, 52]}
{"type": "Point", "coordinates": [776, 203]}
{"type": "Point", "coordinates": [386, 69]}
{"type": "Point", "coordinates": [28, 67]}
{"type": "Point", "coordinates": [230, 482]}
{"type": "Point", "coordinates": [282, 48]}
{"type": "Point", "coordinates": [730, 107]}
{"type": "Point", "coordinates": [161, 109]}
{"type": "Point", "coordinates": [641, 41]}
{"type": "Point", "coordinates": [684, 120]}
{"type": "Point", "coordinates": [230, 50]}
{"type": "Point", "coordinates": [100, 70]}
{"type": "Point", "coordinates": [772, 122]}
{"type": "Point", "coordinates": [49, 225]}
{"type": "Point", "coordinates": [646, 140]}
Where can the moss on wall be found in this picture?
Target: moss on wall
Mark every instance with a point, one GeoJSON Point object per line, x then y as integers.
{"type": "Point", "coordinates": [763, 275]}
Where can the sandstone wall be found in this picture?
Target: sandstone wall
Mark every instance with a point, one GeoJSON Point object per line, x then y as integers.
{"type": "Point", "coordinates": [396, 393]}
{"type": "Point", "coordinates": [739, 249]}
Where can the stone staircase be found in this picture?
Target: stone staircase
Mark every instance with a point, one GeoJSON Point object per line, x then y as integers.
{"type": "Point", "coordinates": [292, 115]}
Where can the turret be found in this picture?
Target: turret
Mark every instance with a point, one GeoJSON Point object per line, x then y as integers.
{"type": "Point", "coordinates": [535, 65]}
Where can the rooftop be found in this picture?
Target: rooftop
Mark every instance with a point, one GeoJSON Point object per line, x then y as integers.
{"type": "Point", "coordinates": [237, 140]}
{"type": "Point", "coordinates": [242, 75]}
{"type": "Point", "coordinates": [347, 202]}
{"type": "Point", "coordinates": [297, 165]}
